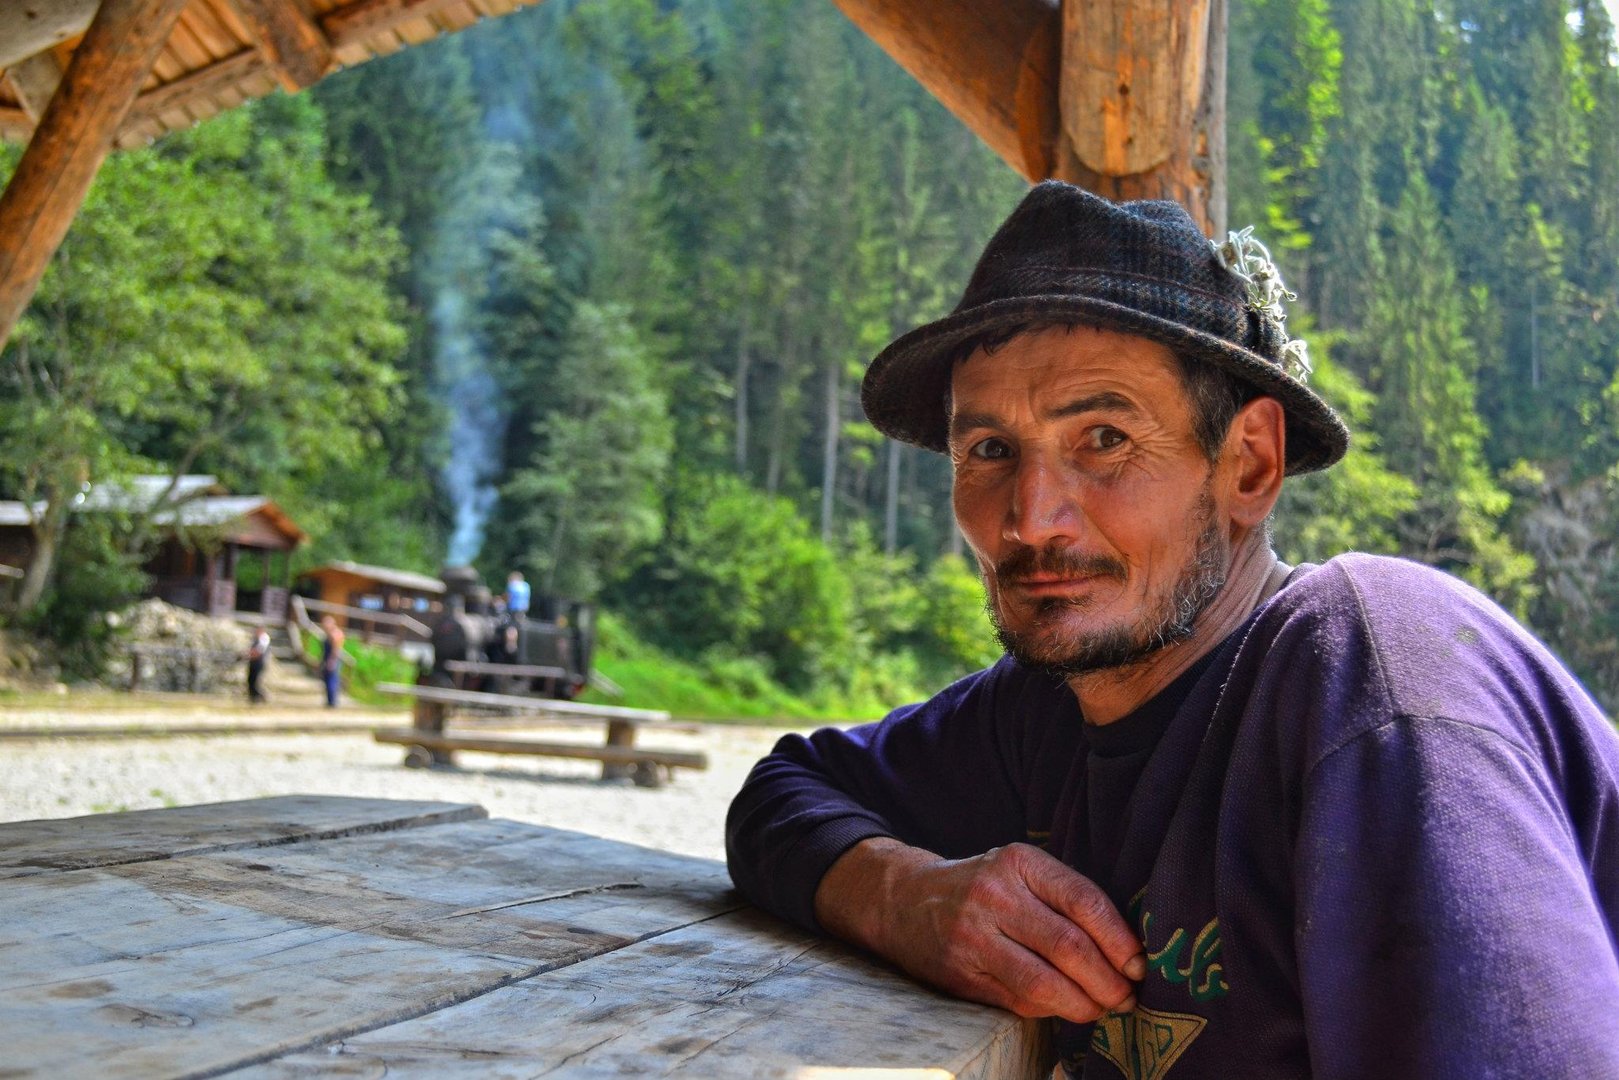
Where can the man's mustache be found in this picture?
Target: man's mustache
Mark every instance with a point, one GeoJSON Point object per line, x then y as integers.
{"type": "Point", "coordinates": [1026, 562]}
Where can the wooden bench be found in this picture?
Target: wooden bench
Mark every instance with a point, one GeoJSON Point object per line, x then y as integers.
{"type": "Point", "coordinates": [430, 744]}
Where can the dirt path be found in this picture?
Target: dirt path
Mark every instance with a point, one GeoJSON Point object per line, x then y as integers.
{"type": "Point", "coordinates": [61, 777]}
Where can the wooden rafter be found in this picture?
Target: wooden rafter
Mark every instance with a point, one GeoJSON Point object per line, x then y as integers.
{"type": "Point", "coordinates": [288, 45]}
{"type": "Point", "coordinates": [72, 138]}
{"type": "Point", "coordinates": [292, 44]}
{"type": "Point", "coordinates": [353, 23]}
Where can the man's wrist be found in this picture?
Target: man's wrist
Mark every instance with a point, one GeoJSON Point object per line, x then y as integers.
{"type": "Point", "coordinates": [858, 896]}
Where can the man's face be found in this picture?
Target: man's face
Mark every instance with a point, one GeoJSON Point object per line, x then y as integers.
{"type": "Point", "coordinates": [1079, 483]}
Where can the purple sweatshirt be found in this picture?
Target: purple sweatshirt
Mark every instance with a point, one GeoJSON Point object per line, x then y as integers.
{"type": "Point", "coordinates": [1373, 833]}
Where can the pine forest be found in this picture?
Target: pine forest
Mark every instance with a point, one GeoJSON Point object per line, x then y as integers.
{"type": "Point", "coordinates": [587, 291]}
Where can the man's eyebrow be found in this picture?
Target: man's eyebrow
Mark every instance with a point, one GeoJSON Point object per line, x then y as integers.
{"type": "Point", "coordinates": [1107, 400]}
{"type": "Point", "coordinates": [961, 423]}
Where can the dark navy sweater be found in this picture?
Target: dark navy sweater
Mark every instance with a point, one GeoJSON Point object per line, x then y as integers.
{"type": "Point", "coordinates": [1373, 833]}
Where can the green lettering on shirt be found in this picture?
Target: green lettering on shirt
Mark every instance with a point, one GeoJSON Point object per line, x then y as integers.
{"type": "Point", "coordinates": [1201, 973]}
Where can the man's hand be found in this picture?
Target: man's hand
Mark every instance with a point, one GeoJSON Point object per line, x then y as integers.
{"type": "Point", "coordinates": [1013, 927]}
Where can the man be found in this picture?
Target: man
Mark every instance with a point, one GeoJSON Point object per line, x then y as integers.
{"type": "Point", "coordinates": [331, 659]}
{"type": "Point", "coordinates": [258, 654]}
{"type": "Point", "coordinates": [1221, 817]}
{"type": "Point", "coordinates": [518, 594]}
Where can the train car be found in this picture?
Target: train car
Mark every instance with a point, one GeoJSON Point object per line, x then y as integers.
{"type": "Point", "coordinates": [545, 653]}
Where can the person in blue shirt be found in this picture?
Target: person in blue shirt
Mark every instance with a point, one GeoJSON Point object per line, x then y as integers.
{"type": "Point", "coordinates": [517, 595]}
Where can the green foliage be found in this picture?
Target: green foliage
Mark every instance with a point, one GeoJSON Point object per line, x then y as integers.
{"type": "Point", "coordinates": [741, 574]}
{"type": "Point", "coordinates": [218, 306]}
{"type": "Point", "coordinates": [96, 576]}
{"type": "Point", "coordinates": [590, 496]}
{"type": "Point", "coordinates": [725, 689]}
{"type": "Point", "coordinates": [1357, 504]}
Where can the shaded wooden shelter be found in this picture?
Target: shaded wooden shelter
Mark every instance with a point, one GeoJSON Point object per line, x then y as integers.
{"type": "Point", "coordinates": [373, 588]}
{"type": "Point", "coordinates": [205, 532]}
{"type": "Point", "coordinates": [1124, 97]}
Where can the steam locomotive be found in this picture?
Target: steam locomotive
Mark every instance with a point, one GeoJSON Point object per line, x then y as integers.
{"type": "Point", "coordinates": [546, 653]}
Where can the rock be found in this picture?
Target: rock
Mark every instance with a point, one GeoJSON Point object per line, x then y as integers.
{"type": "Point", "coordinates": [182, 650]}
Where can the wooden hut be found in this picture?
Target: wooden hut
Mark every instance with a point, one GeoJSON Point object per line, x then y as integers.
{"type": "Point", "coordinates": [205, 533]}
{"type": "Point", "coordinates": [373, 588]}
{"type": "Point", "coordinates": [1125, 97]}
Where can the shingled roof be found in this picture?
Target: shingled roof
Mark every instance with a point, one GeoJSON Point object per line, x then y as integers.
{"type": "Point", "coordinates": [223, 52]}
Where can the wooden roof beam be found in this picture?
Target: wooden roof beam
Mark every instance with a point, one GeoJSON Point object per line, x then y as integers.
{"type": "Point", "coordinates": [71, 140]}
{"type": "Point", "coordinates": [353, 23]}
{"type": "Point", "coordinates": [293, 45]}
{"type": "Point", "coordinates": [993, 63]}
{"type": "Point", "coordinates": [1122, 97]}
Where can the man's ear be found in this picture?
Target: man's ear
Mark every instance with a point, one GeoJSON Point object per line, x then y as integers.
{"type": "Point", "coordinates": [1255, 457]}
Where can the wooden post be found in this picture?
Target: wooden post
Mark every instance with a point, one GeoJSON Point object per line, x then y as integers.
{"type": "Point", "coordinates": [428, 718]}
{"type": "Point", "coordinates": [1122, 97]}
{"type": "Point", "coordinates": [71, 140]}
{"type": "Point", "coordinates": [619, 733]}
{"type": "Point", "coordinates": [1143, 102]}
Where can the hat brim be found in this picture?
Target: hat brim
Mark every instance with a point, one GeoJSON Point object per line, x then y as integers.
{"type": "Point", "coordinates": [906, 386]}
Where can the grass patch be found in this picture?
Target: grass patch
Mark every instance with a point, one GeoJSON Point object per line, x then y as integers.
{"type": "Point", "coordinates": [719, 688]}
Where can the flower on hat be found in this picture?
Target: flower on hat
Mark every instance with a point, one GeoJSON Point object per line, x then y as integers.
{"type": "Point", "coordinates": [1250, 261]}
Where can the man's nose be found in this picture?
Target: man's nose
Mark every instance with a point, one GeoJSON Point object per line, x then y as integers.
{"type": "Point", "coordinates": [1045, 505]}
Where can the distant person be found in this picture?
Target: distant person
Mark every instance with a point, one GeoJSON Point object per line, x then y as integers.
{"type": "Point", "coordinates": [517, 594]}
{"type": "Point", "coordinates": [508, 648]}
{"type": "Point", "coordinates": [257, 655]}
{"type": "Point", "coordinates": [331, 658]}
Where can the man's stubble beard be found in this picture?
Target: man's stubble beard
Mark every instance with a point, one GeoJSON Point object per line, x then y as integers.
{"type": "Point", "coordinates": [1172, 619]}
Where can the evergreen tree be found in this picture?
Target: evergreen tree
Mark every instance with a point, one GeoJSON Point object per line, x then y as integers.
{"type": "Point", "coordinates": [1426, 413]}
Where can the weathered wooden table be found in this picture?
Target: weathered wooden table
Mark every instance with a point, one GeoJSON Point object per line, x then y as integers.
{"type": "Point", "coordinates": [306, 935]}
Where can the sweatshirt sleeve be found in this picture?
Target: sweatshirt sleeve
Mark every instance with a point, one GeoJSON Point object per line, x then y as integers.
{"type": "Point", "coordinates": [1446, 923]}
{"type": "Point", "coordinates": [941, 775]}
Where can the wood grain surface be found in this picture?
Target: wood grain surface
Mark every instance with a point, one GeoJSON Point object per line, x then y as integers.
{"type": "Point", "coordinates": [328, 936]}
{"type": "Point", "coordinates": [55, 844]}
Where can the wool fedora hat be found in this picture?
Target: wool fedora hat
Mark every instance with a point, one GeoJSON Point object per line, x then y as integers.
{"type": "Point", "coordinates": [1142, 268]}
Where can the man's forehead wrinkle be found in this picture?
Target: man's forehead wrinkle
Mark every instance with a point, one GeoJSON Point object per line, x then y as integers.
{"type": "Point", "coordinates": [1106, 400]}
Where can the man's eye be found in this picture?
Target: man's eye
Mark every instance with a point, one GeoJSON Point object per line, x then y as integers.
{"type": "Point", "coordinates": [993, 449]}
{"type": "Point", "coordinates": [1105, 438]}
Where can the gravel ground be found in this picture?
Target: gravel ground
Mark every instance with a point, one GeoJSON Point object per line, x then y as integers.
{"type": "Point", "coordinates": [60, 777]}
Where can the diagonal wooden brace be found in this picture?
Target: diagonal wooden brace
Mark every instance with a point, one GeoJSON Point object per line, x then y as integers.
{"type": "Point", "coordinates": [72, 139]}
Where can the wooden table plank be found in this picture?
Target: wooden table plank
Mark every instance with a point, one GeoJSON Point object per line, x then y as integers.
{"type": "Point", "coordinates": [51, 845]}
{"type": "Point", "coordinates": [736, 998]}
{"type": "Point", "coordinates": [210, 962]}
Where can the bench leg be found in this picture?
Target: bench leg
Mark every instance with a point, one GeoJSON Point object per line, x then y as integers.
{"type": "Point", "coordinates": [619, 733]}
{"type": "Point", "coordinates": [428, 716]}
